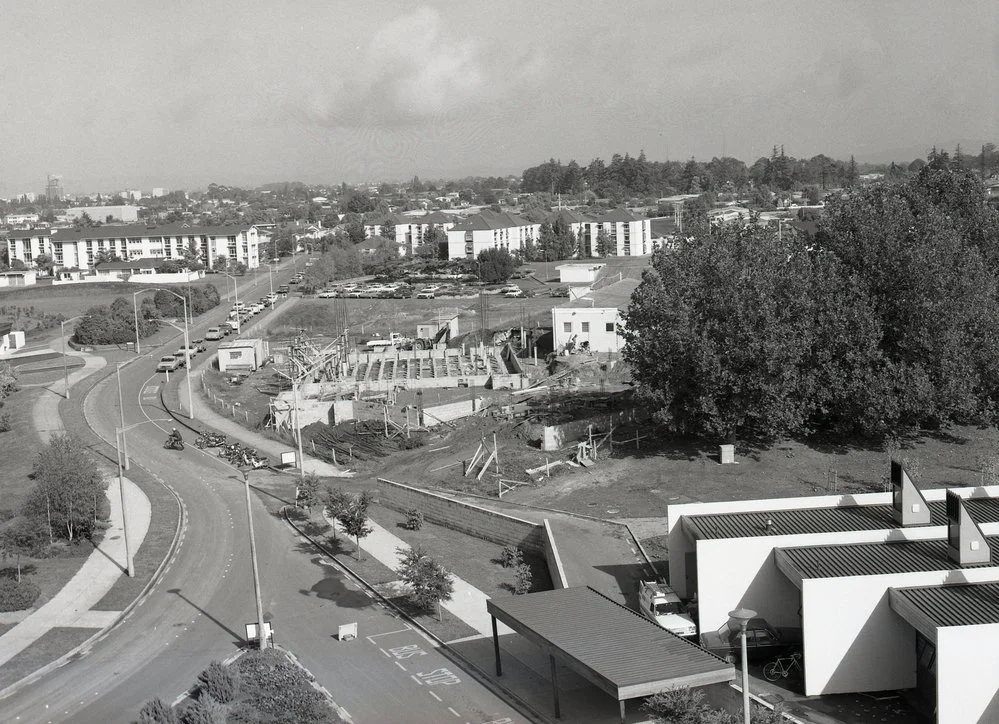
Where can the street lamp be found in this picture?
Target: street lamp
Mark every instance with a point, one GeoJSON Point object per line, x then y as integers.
{"type": "Point", "coordinates": [121, 410]}
{"type": "Point", "coordinates": [187, 360]}
{"type": "Point", "coordinates": [120, 431]}
{"type": "Point", "coordinates": [743, 616]}
{"type": "Point", "coordinates": [298, 432]}
{"type": "Point", "coordinates": [261, 637]}
{"type": "Point", "coordinates": [135, 311]}
{"type": "Point", "coordinates": [235, 286]}
{"type": "Point", "coordinates": [65, 369]}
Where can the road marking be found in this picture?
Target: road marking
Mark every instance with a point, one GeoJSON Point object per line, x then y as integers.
{"type": "Point", "coordinates": [387, 654]}
{"type": "Point", "coordinates": [388, 633]}
{"type": "Point", "coordinates": [413, 677]}
{"type": "Point", "coordinates": [400, 666]}
{"type": "Point", "coordinates": [453, 712]}
{"type": "Point", "coordinates": [434, 695]}
{"type": "Point", "coordinates": [441, 676]}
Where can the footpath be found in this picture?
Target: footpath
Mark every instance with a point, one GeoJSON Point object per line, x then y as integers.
{"type": "Point", "coordinates": [71, 607]}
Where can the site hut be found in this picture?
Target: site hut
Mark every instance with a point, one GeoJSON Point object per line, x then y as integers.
{"type": "Point", "coordinates": [15, 278]}
{"type": "Point", "coordinates": [593, 321]}
{"type": "Point", "coordinates": [578, 273]}
{"type": "Point", "coordinates": [242, 355]}
{"type": "Point", "coordinates": [833, 565]}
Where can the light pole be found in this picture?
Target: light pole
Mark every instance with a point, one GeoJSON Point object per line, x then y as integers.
{"type": "Point", "coordinates": [298, 433]}
{"type": "Point", "coordinates": [235, 287]}
{"type": "Point", "coordinates": [187, 358]}
{"type": "Point", "coordinates": [135, 311]}
{"type": "Point", "coordinates": [120, 431]}
{"type": "Point", "coordinates": [744, 616]}
{"type": "Point", "coordinates": [261, 637]}
{"type": "Point", "coordinates": [65, 369]}
{"type": "Point", "coordinates": [121, 410]}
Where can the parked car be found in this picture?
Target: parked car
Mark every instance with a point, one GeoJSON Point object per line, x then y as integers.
{"type": "Point", "coordinates": [168, 363]}
{"type": "Point", "coordinates": [354, 294]}
{"type": "Point", "coordinates": [763, 641]}
{"type": "Point", "coordinates": [519, 294]}
{"type": "Point", "coordinates": [199, 344]}
{"type": "Point", "coordinates": [328, 294]}
{"type": "Point", "coordinates": [425, 294]}
{"type": "Point", "coordinates": [214, 333]}
{"type": "Point", "coordinates": [226, 328]}
{"type": "Point", "coordinates": [560, 292]}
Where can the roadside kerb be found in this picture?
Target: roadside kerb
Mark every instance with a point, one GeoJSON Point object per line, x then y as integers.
{"type": "Point", "coordinates": [84, 648]}
{"type": "Point", "coordinates": [512, 698]}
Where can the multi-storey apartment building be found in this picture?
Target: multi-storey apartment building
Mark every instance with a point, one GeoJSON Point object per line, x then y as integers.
{"type": "Point", "coordinates": [627, 234]}
{"type": "Point", "coordinates": [468, 238]}
{"type": "Point", "coordinates": [80, 248]}
{"type": "Point", "coordinates": [409, 231]}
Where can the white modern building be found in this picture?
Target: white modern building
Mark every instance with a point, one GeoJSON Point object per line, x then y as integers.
{"type": "Point", "coordinates": [487, 230]}
{"type": "Point", "coordinates": [20, 219]}
{"type": "Point", "coordinates": [578, 273]}
{"type": "Point", "coordinates": [80, 248]}
{"type": "Point", "coordinates": [891, 591]}
{"type": "Point", "coordinates": [627, 234]}
{"type": "Point", "coordinates": [125, 214]}
{"type": "Point", "coordinates": [408, 231]}
{"type": "Point", "coordinates": [592, 322]}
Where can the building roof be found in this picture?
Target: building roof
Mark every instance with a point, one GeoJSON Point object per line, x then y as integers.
{"type": "Point", "coordinates": [122, 231]}
{"type": "Point", "coordinates": [486, 221]}
{"type": "Point", "coordinates": [619, 650]}
{"type": "Point", "coordinates": [147, 263]}
{"type": "Point", "coordinates": [570, 216]}
{"type": "Point", "coordinates": [434, 217]}
{"type": "Point", "coordinates": [616, 296]}
{"type": "Point", "coordinates": [804, 521]}
{"type": "Point", "coordinates": [663, 226]}
{"type": "Point", "coordinates": [872, 559]}
{"type": "Point", "coordinates": [28, 233]}
{"type": "Point", "coordinates": [966, 604]}
{"type": "Point", "coordinates": [615, 215]}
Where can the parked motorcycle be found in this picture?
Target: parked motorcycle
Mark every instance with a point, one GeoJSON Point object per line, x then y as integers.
{"type": "Point", "coordinates": [209, 439]}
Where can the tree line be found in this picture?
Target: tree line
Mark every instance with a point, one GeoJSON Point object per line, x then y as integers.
{"type": "Point", "coordinates": [115, 323]}
{"type": "Point", "coordinates": [887, 320]}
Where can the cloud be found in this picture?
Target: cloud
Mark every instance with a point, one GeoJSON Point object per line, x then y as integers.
{"type": "Point", "coordinates": [411, 71]}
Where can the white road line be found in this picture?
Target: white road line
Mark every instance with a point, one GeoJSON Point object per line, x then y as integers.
{"type": "Point", "coordinates": [400, 666]}
{"type": "Point", "coordinates": [416, 680]}
{"type": "Point", "coordinates": [434, 695]}
{"type": "Point", "coordinates": [454, 712]}
{"type": "Point", "coordinates": [387, 654]}
{"type": "Point", "coordinates": [387, 633]}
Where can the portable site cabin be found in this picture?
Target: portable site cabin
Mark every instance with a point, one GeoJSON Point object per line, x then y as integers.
{"type": "Point", "coordinates": [242, 355]}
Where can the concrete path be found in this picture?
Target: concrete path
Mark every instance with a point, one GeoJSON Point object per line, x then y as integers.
{"type": "Point", "coordinates": [71, 606]}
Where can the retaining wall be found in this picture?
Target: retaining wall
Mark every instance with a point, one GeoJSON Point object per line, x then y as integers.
{"type": "Point", "coordinates": [556, 437]}
{"type": "Point", "coordinates": [553, 559]}
{"type": "Point", "coordinates": [485, 524]}
{"type": "Point", "coordinates": [437, 414]}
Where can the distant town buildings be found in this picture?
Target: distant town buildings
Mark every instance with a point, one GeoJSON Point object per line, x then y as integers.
{"type": "Point", "coordinates": [125, 214]}
{"type": "Point", "coordinates": [54, 190]}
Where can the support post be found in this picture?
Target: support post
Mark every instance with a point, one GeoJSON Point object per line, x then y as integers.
{"type": "Point", "coordinates": [261, 636]}
{"type": "Point", "coordinates": [558, 709]}
{"type": "Point", "coordinates": [129, 563]}
{"type": "Point", "coordinates": [496, 649]}
{"type": "Point", "coordinates": [121, 409]}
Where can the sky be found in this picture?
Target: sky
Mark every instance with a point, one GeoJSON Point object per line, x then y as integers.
{"type": "Point", "coordinates": [137, 94]}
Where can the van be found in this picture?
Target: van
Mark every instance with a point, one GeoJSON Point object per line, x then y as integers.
{"type": "Point", "coordinates": [214, 333]}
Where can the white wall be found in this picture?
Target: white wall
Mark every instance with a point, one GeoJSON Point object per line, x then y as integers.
{"type": "Point", "coordinates": [968, 674]}
{"type": "Point", "coordinates": [854, 641]}
{"type": "Point", "coordinates": [597, 318]}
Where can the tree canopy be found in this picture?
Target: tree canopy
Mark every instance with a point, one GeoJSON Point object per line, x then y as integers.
{"type": "Point", "coordinates": [889, 321]}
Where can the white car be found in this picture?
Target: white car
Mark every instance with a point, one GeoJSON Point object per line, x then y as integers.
{"type": "Point", "coordinates": [328, 294]}
{"type": "Point", "coordinates": [514, 294]}
{"type": "Point", "coordinates": [425, 294]}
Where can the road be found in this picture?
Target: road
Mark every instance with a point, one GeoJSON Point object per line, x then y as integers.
{"type": "Point", "coordinates": [196, 612]}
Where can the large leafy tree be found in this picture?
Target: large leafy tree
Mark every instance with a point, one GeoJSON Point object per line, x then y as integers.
{"type": "Point", "coordinates": [429, 582]}
{"type": "Point", "coordinates": [69, 489]}
{"type": "Point", "coordinates": [496, 265]}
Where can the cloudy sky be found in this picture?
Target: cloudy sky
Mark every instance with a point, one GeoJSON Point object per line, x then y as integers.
{"type": "Point", "coordinates": [177, 94]}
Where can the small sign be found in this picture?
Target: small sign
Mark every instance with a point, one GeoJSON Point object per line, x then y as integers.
{"type": "Point", "coordinates": [346, 632]}
{"type": "Point", "coordinates": [251, 632]}
{"type": "Point", "coordinates": [288, 458]}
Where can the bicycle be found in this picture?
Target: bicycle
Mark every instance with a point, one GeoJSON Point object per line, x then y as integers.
{"type": "Point", "coordinates": [782, 668]}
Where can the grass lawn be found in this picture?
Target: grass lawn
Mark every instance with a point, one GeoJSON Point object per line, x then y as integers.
{"type": "Point", "coordinates": [40, 653]}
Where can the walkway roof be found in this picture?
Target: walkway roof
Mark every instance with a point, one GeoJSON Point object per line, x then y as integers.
{"type": "Point", "coordinates": [615, 648]}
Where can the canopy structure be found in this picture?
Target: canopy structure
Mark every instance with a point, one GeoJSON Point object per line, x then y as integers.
{"type": "Point", "coordinates": [618, 650]}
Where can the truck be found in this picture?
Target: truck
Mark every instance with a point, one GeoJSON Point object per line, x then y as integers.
{"type": "Point", "coordinates": [657, 601]}
{"type": "Point", "coordinates": [763, 641]}
{"type": "Point", "coordinates": [382, 343]}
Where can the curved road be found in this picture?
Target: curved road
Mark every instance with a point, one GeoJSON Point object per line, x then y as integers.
{"type": "Point", "coordinates": [196, 612]}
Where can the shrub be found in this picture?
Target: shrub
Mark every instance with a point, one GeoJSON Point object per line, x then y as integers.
{"type": "Point", "coordinates": [414, 519]}
{"type": "Point", "coordinates": [157, 712]}
{"type": "Point", "coordinates": [511, 556]}
{"type": "Point", "coordinates": [523, 580]}
{"type": "Point", "coordinates": [275, 687]}
{"type": "Point", "coordinates": [206, 710]}
{"type": "Point", "coordinates": [5, 422]}
{"type": "Point", "coordinates": [219, 682]}
{"type": "Point", "coordinates": [16, 596]}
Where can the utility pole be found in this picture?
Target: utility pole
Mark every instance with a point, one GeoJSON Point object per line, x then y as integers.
{"type": "Point", "coordinates": [261, 636]}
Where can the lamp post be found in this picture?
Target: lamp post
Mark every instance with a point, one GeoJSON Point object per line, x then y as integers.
{"type": "Point", "coordinates": [121, 410]}
{"type": "Point", "coordinates": [120, 431]}
{"type": "Point", "coordinates": [235, 286]}
{"type": "Point", "coordinates": [298, 433]}
{"type": "Point", "coordinates": [261, 637]}
{"type": "Point", "coordinates": [135, 311]}
{"type": "Point", "coordinates": [65, 369]}
{"type": "Point", "coordinates": [743, 616]}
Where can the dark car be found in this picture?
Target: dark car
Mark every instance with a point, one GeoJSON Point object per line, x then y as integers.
{"type": "Point", "coordinates": [763, 641]}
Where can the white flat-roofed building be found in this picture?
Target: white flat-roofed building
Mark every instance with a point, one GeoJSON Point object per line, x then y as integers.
{"type": "Point", "coordinates": [592, 322]}
{"type": "Point", "coordinates": [627, 234]}
{"type": "Point", "coordinates": [487, 230]}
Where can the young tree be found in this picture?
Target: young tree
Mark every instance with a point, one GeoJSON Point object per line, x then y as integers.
{"type": "Point", "coordinates": [336, 502]}
{"type": "Point", "coordinates": [19, 537]}
{"type": "Point", "coordinates": [496, 265]}
{"type": "Point", "coordinates": [355, 522]}
{"type": "Point", "coordinates": [430, 584]}
{"type": "Point", "coordinates": [308, 492]}
{"type": "Point", "coordinates": [69, 488]}
{"type": "Point", "coordinates": [603, 243]}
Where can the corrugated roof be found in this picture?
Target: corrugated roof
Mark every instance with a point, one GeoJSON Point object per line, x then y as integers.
{"type": "Point", "coordinates": [957, 605]}
{"type": "Point", "coordinates": [625, 651]}
{"type": "Point", "coordinates": [123, 231]}
{"type": "Point", "coordinates": [874, 559]}
{"type": "Point", "coordinates": [800, 521]}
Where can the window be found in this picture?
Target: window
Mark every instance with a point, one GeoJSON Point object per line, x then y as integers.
{"type": "Point", "coordinates": [586, 327]}
{"type": "Point", "coordinates": [566, 326]}
{"type": "Point", "coordinates": [609, 327]}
